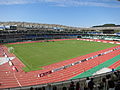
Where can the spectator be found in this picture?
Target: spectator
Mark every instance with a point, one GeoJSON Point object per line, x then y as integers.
{"type": "Point", "coordinates": [91, 84]}
{"type": "Point", "coordinates": [107, 79]}
{"type": "Point", "coordinates": [117, 87]}
{"type": "Point", "coordinates": [77, 86]}
{"type": "Point", "coordinates": [118, 73]}
{"type": "Point", "coordinates": [43, 88]}
{"type": "Point", "coordinates": [86, 83]}
{"type": "Point", "coordinates": [64, 88]}
{"type": "Point", "coordinates": [102, 85]}
{"type": "Point", "coordinates": [113, 70]}
{"type": "Point", "coordinates": [48, 87]}
{"type": "Point", "coordinates": [39, 88]}
{"type": "Point", "coordinates": [31, 88]}
{"type": "Point", "coordinates": [114, 76]}
{"type": "Point", "coordinates": [54, 88]}
{"type": "Point", "coordinates": [111, 84]}
{"type": "Point", "coordinates": [36, 88]}
{"type": "Point", "coordinates": [72, 86]}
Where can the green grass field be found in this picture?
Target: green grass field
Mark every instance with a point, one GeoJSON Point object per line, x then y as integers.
{"type": "Point", "coordinates": [35, 55]}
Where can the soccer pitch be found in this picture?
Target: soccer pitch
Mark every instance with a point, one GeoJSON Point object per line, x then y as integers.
{"type": "Point", "coordinates": [36, 55]}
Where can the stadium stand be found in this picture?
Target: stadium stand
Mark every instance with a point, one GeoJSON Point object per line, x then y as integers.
{"type": "Point", "coordinates": [24, 31]}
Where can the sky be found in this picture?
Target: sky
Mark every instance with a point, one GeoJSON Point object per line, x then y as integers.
{"type": "Point", "coordinates": [76, 13]}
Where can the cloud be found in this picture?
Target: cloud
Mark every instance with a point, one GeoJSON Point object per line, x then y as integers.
{"type": "Point", "coordinates": [99, 3]}
{"type": "Point", "coordinates": [11, 2]}
{"type": "Point", "coordinates": [66, 3]}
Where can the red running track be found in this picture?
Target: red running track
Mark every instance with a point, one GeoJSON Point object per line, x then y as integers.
{"type": "Point", "coordinates": [115, 65]}
{"type": "Point", "coordinates": [17, 79]}
{"type": "Point", "coordinates": [41, 41]}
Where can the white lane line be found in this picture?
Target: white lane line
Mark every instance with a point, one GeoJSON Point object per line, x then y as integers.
{"type": "Point", "coordinates": [17, 80]}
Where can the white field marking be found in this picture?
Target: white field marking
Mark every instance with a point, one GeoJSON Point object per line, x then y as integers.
{"type": "Point", "coordinates": [98, 41]}
{"type": "Point", "coordinates": [5, 59]}
{"type": "Point", "coordinates": [111, 42]}
{"type": "Point", "coordinates": [104, 42]}
{"type": "Point", "coordinates": [117, 43]}
{"type": "Point", "coordinates": [17, 80]}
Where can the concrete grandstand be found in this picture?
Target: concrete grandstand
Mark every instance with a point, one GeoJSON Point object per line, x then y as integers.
{"type": "Point", "coordinates": [22, 31]}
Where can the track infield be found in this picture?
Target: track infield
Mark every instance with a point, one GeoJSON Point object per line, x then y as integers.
{"type": "Point", "coordinates": [36, 55]}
